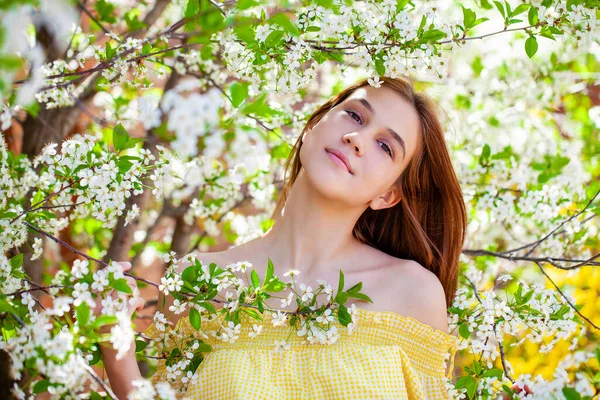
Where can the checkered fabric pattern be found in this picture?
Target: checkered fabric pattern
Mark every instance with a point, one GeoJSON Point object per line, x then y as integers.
{"type": "Point", "coordinates": [387, 356]}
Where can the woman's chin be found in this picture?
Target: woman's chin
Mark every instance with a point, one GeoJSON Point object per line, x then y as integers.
{"type": "Point", "coordinates": [328, 184]}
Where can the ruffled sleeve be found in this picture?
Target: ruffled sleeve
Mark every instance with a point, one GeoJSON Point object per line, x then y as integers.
{"type": "Point", "coordinates": [426, 355]}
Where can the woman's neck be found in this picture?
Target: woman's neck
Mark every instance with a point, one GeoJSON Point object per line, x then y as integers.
{"type": "Point", "coordinates": [311, 232]}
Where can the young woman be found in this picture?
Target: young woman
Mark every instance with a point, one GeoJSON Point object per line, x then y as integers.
{"type": "Point", "coordinates": [371, 191]}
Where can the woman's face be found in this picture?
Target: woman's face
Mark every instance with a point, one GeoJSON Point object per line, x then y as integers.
{"type": "Point", "coordinates": [377, 131]}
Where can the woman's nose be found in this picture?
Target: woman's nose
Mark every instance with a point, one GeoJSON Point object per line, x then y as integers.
{"type": "Point", "coordinates": [354, 140]}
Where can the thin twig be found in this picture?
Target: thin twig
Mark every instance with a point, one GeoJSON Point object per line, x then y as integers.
{"type": "Point", "coordinates": [563, 223]}
{"type": "Point", "coordinates": [550, 260]}
{"type": "Point", "coordinates": [91, 372]}
{"type": "Point", "coordinates": [566, 298]}
{"type": "Point", "coordinates": [89, 14]}
{"type": "Point", "coordinates": [63, 243]}
{"type": "Point", "coordinates": [51, 195]}
{"type": "Point", "coordinates": [59, 206]}
{"type": "Point", "coordinates": [41, 288]}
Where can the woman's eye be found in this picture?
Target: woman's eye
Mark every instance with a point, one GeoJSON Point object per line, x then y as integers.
{"type": "Point", "coordinates": [353, 114]}
{"type": "Point", "coordinates": [386, 148]}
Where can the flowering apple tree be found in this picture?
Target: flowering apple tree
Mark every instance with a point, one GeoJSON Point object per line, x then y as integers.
{"type": "Point", "coordinates": [121, 117]}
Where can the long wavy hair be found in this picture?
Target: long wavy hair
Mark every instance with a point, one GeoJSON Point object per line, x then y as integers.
{"type": "Point", "coordinates": [429, 224]}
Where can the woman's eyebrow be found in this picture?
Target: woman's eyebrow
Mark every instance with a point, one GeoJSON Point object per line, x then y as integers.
{"type": "Point", "coordinates": [392, 132]}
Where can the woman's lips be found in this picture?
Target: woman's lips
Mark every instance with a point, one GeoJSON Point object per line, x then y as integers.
{"type": "Point", "coordinates": [338, 161]}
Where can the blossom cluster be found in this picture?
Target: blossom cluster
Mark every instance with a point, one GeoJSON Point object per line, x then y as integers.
{"type": "Point", "coordinates": [244, 303]}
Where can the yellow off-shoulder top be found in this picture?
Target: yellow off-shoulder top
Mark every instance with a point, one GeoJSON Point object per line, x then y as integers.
{"type": "Point", "coordinates": [386, 356]}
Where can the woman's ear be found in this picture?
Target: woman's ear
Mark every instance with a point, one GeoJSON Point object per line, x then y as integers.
{"type": "Point", "coordinates": [386, 200]}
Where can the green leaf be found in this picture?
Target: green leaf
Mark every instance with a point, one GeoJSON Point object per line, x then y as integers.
{"type": "Point", "coordinates": [344, 316]}
{"type": "Point", "coordinates": [532, 16]}
{"type": "Point", "coordinates": [245, 4]}
{"type": "Point", "coordinates": [469, 383]}
{"type": "Point", "coordinates": [146, 48]}
{"type": "Point", "coordinates": [422, 24]}
{"type": "Point", "coordinates": [274, 38]}
{"type": "Point", "coordinates": [6, 307]}
{"type": "Point", "coordinates": [486, 4]}
{"type": "Point", "coordinates": [355, 288]}
{"type": "Point", "coordinates": [505, 154]}
{"type": "Point", "coordinates": [479, 21]}
{"type": "Point", "coordinates": [192, 8]}
{"type": "Point", "coordinates": [463, 330]}
{"type": "Point", "coordinates": [432, 35]}
{"type": "Point", "coordinates": [339, 57]}
{"type": "Point", "coordinates": [531, 46]}
{"type": "Point", "coordinates": [41, 386]}
{"type": "Point", "coordinates": [379, 67]}
{"type": "Point", "coordinates": [572, 3]}
{"type": "Point", "coordinates": [361, 296]}
{"type": "Point", "coordinates": [283, 21]}
{"type": "Point", "coordinates": [341, 282]}
{"type": "Point", "coordinates": [468, 17]}
{"type": "Point", "coordinates": [120, 137]}
{"type": "Point", "coordinates": [508, 11]}
{"type": "Point", "coordinates": [476, 368]}
{"type": "Point", "coordinates": [110, 52]}
{"type": "Point", "coordinates": [528, 296]}
{"type": "Point", "coordinates": [96, 396]}
{"type": "Point", "coordinates": [140, 345]}
{"type": "Point", "coordinates": [245, 34]}
{"type": "Point", "coordinates": [485, 154]}
{"type": "Point", "coordinates": [194, 318]}
{"type": "Point", "coordinates": [104, 320]}
{"type": "Point", "coordinates": [122, 286]}
{"type": "Point", "coordinates": [494, 372]}
{"type": "Point", "coordinates": [10, 62]}
{"type": "Point", "coordinates": [189, 274]}
{"type": "Point", "coordinates": [16, 261]}
{"type": "Point", "coordinates": [275, 286]}
{"type": "Point", "coordinates": [238, 92]}
{"type": "Point", "coordinates": [521, 8]}
{"type": "Point", "coordinates": [270, 271]}
{"type": "Point", "coordinates": [209, 306]}
{"type": "Point", "coordinates": [96, 355]}
{"type": "Point", "coordinates": [39, 196]}
{"type": "Point", "coordinates": [341, 297]}
{"type": "Point", "coordinates": [203, 347]}
{"type": "Point", "coordinates": [571, 394]}
{"type": "Point", "coordinates": [500, 8]}
{"type": "Point", "coordinates": [132, 142]}
{"type": "Point", "coordinates": [83, 314]}
{"type": "Point", "coordinates": [105, 10]}
{"type": "Point", "coordinates": [132, 20]}
{"type": "Point", "coordinates": [324, 3]}
{"type": "Point", "coordinates": [255, 279]}
{"type": "Point", "coordinates": [124, 165]}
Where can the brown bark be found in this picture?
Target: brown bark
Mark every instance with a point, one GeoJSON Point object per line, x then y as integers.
{"type": "Point", "coordinates": [181, 236]}
{"type": "Point", "coordinates": [6, 383]}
